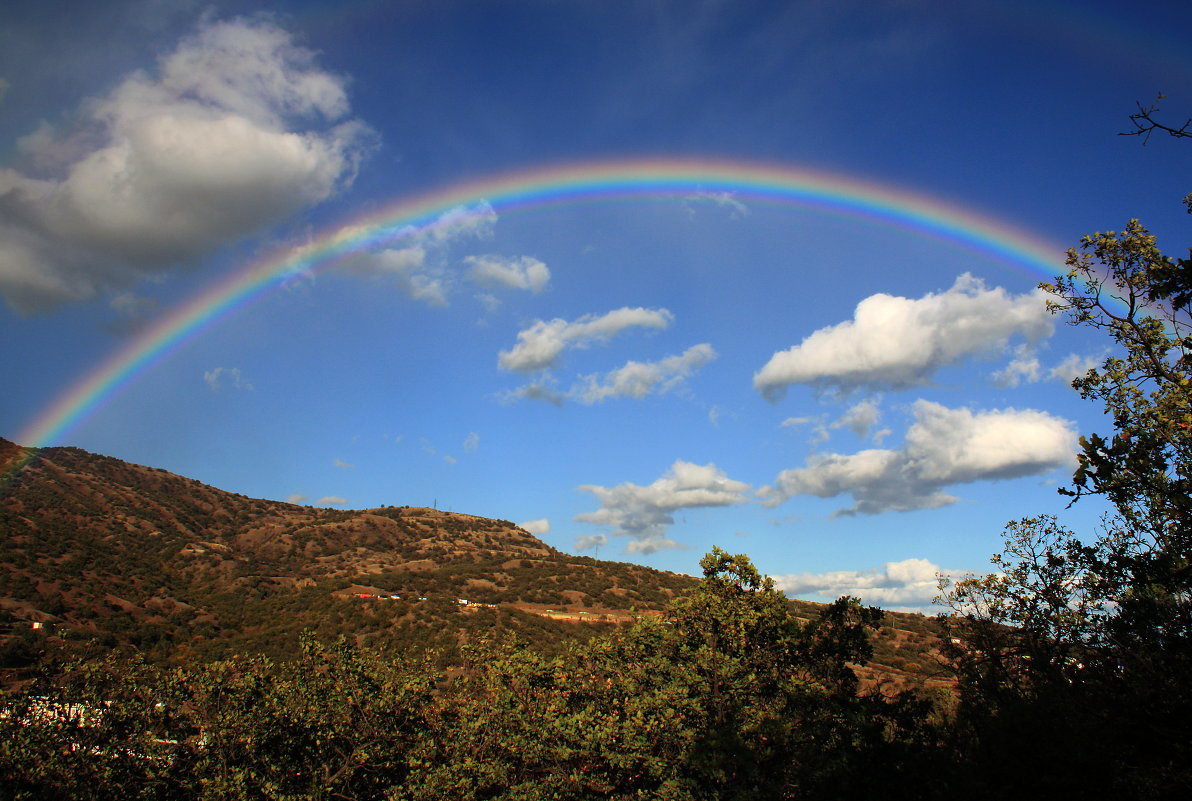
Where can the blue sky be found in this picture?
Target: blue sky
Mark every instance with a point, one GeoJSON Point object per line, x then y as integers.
{"type": "Point", "coordinates": [855, 404]}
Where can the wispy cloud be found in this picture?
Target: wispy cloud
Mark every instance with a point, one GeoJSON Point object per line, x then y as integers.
{"type": "Point", "coordinates": [540, 346]}
{"type": "Point", "coordinates": [216, 377]}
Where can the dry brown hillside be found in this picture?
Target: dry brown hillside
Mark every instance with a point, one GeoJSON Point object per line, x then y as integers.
{"type": "Point", "coordinates": [115, 554]}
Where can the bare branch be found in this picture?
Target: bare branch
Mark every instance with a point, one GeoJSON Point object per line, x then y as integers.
{"type": "Point", "coordinates": [1145, 123]}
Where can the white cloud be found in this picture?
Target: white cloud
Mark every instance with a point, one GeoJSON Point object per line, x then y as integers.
{"type": "Point", "coordinates": [297, 497]}
{"type": "Point", "coordinates": [1073, 367]}
{"type": "Point", "coordinates": [331, 500]}
{"type": "Point", "coordinates": [538, 528]}
{"type": "Point", "coordinates": [860, 418]}
{"type": "Point", "coordinates": [216, 376]}
{"type": "Point", "coordinates": [908, 583]}
{"type": "Point", "coordinates": [639, 379]}
{"type": "Point", "coordinates": [342, 465]}
{"type": "Point", "coordinates": [589, 542]}
{"type": "Point", "coordinates": [405, 268]}
{"type": "Point", "coordinates": [543, 390]}
{"type": "Point", "coordinates": [522, 272]}
{"type": "Point", "coordinates": [645, 513]}
{"type": "Point", "coordinates": [897, 343]}
{"type": "Point", "coordinates": [235, 130]}
{"type": "Point", "coordinates": [539, 346]}
{"type": "Point", "coordinates": [633, 380]}
{"type": "Point", "coordinates": [1023, 367]}
{"type": "Point", "coordinates": [725, 200]}
{"type": "Point", "coordinates": [418, 267]}
{"type": "Point", "coordinates": [943, 447]}
{"type": "Point", "coordinates": [472, 442]}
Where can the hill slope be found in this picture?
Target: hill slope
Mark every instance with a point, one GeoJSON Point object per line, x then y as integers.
{"type": "Point", "coordinates": [128, 555]}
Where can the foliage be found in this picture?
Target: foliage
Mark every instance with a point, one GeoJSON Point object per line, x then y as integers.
{"type": "Point", "coordinates": [727, 696]}
{"type": "Point", "coordinates": [1074, 657]}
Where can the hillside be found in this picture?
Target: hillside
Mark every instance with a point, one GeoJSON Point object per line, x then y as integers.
{"type": "Point", "coordinates": [116, 554]}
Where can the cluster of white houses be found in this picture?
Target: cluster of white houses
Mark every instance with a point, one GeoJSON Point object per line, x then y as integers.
{"type": "Point", "coordinates": [387, 597]}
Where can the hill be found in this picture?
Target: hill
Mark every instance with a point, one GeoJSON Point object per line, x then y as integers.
{"type": "Point", "coordinates": [113, 554]}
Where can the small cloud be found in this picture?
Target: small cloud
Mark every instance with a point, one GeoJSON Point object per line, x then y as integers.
{"type": "Point", "coordinates": [331, 500]}
{"type": "Point", "coordinates": [538, 528]}
{"type": "Point", "coordinates": [1023, 367]}
{"type": "Point", "coordinates": [215, 379]}
{"type": "Point", "coordinates": [860, 418]}
{"type": "Point", "coordinates": [522, 272]}
{"type": "Point", "coordinates": [297, 497]}
{"type": "Point", "coordinates": [491, 303]}
{"type": "Point", "coordinates": [639, 379]}
{"type": "Point", "coordinates": [449, 459]}
{"type": "Point", "coordinates": [132, 312]}
{"type": "Point", "coordinates": [1074, 367]}
{"type": "Point", "coordinates": [908, 583]}
{"type": "Point", "coordinates": [644, 514]}
{"type": "Point", "coordinates": [540, 346]}
{"type": "Point", "coordinates": [472, 442]}
{"type": "Point", "coordinates": [540, 390]}
{"type": "Point", "coordinates": [725, 200]}
{"type": "Point", "coordinates": [342, 465]}
{"type": "Point", "coordinates": [590, 542]}
{"type": "Point", "coordinates": [632, 380]}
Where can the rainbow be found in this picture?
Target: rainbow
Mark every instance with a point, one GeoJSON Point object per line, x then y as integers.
{"type": "Point", "coordinates": [573, 183]}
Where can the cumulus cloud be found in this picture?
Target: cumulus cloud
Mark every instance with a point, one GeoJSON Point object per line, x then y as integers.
{"type": "Point", "coordinates": [331, 500]}
{"type": "Point", "coordinates": [943, 447]}
{"type": "Point", "coordinates": [639, 379]}
{"type": "Point", "coordinates": [540, 346]}
{"type": "Point", "coordinates": [521, 272]}
{"type": "Point", "coordinates": [644, 514]}
{"type": "Point", "coordinates": [908, 583]}
{"type": "Point", "coordinates": [538, 527]}
{"type": "Point", "coordinates": [296, 497]}
{"type": "Point", "coordinates": [897, 343]}
{"type": "Point", "coordinates": [215, 379]}
{"type": "Point", "coordinates": [234, 130]}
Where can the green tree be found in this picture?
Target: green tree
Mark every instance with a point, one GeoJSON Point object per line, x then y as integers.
{"type": "Point", "coordinates": [1079, 653]}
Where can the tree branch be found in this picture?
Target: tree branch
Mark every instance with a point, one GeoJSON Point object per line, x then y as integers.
{"type": "Point", "coordinates": [1145, 123]}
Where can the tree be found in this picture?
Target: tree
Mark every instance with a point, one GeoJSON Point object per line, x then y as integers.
{"type": "Point", "coordinates": [1080, 653]}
